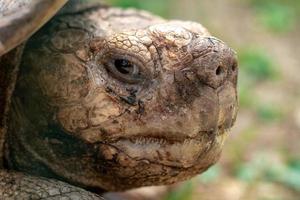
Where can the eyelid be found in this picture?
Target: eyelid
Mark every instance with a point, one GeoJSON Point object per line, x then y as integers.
{"type": "Point", "coordinates": [128, 78]}
{"type": "Point", "coordinates": [145, 68]}
{"type": "Point", "coordinates": [124, 54]}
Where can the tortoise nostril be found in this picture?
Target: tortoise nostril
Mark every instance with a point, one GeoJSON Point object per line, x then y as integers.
{"type": "Point", "coordinates": [233, 67]}
{"type": "Point", "coordinates": [219, 70]}
{"type": "Point", "coordinates": [214, 61]}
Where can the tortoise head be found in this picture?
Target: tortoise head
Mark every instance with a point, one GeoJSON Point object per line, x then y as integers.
{"type": "Point", "coordinates": [117, 99]}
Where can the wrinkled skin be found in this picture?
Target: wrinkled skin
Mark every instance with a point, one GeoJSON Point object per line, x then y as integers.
{"type": "Point", "coordinates": [115, 99]}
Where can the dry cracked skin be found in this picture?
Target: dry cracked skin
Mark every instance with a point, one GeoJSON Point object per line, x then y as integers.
{"type": "Point", "coordinates": [115, 99]}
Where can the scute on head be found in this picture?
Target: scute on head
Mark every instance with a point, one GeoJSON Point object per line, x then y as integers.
{"type": "Point", "coordinates": [122, 108]}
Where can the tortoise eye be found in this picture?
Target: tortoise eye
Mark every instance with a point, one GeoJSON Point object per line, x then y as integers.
{"type": "Point", "coordinates": [123, 70]}
{"type": "Point", "coordinates": [124, 66]}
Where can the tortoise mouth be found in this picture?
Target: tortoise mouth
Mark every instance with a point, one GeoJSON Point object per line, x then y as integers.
{"type": "Point", "coordinates": [179, 153]}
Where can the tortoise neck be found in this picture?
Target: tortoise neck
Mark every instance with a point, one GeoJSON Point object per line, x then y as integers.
{"type": "Point", "coordinates": [9, 65]}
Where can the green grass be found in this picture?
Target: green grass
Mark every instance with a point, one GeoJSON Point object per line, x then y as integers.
{"type": "Point", "coordinates": [257, 64]}
{"type": "Point", "coordinates": [275, 15]}
{"type": "Point", "coordinates": [211, 175]}
{"type": "Point", "coordinates": [238, 147]}
{"type": "Point", "coordinates": [263, 168]}
{"type": "Point", "coordinates": [158, 7]}
{"type": "Point", "coordinates": [268, 112]}
{"type": "Point", "coordinates": [245, 95]}
{"type": "Point", "coordinates": [184, 192]}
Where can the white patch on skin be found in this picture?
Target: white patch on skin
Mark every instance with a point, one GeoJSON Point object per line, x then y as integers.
{"type": "Point", "coordinates": [192, 26]}
{"type": "Point", "coordinates": [178, 154]}
{"type": "Point", "coordinates": [171, 40]}
{"type": "Point", "coordinates": [171, 34]}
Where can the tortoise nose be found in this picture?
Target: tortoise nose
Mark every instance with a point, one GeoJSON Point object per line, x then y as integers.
{"type": "Point", "coordinates": [214, 62]}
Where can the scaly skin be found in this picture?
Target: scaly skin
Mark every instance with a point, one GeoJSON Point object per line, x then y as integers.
{"type": "Point", "coordinates": [115, 99]}
{"type": "Point", "coordinates": [18, 186]}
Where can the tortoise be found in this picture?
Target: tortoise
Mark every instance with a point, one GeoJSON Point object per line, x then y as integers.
{"type": "Point", "coordinates": [108, 99]}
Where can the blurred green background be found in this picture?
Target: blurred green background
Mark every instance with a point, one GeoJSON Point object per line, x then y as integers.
{"type": "Point", "coordinates": [261, 158]}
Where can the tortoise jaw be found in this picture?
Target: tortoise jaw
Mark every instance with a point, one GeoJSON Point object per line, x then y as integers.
{"type": "Point", "coordinates": [183, 153]}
